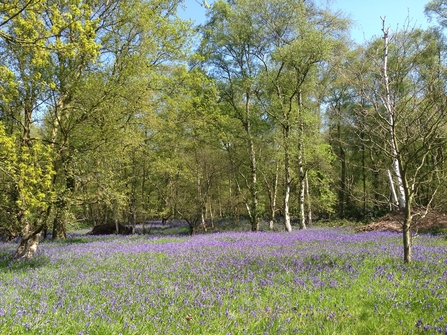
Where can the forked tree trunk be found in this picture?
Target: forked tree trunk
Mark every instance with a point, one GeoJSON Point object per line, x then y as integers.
{"type": "Point", "coordinates": [30, 242]}
{"type": "Point", "coordinates": [404, 197]}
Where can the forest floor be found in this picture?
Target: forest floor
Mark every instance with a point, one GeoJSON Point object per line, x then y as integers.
{"type": "Point", "coordinates": [432, 222]}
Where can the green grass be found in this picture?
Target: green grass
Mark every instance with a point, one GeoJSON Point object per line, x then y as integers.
{"type": "Point", "coordinates": [313, 282]}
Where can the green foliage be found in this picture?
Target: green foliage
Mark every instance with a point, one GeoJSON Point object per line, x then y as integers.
{"type": "Point", "coordinates": [136, 125]}
{"type": "Point", "coordinates": [27, 173]}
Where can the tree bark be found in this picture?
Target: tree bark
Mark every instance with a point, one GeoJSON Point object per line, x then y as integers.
{"type": "Point", "coordinates": [302, 173]}
{"type": "Point", "coordinates": [407, 239]}
{"type": "Point", "coordinates": [342, 192]}
{"type": "Point", "coordinates": [391, 121]}
{"type": "Point", "coordinates": [394, 201]}
{"type": "Point", "coordinates": [254, 218]}
{"type": "Point", "coordinates": [308, 201]}
{"type": "Point", "coordinates": [30, 241]}
{"type": "Point", "coordinates": [288, 177]}
{"type": "Point", "coordinates": [302, 193]}
{"type": "Point", "coordinates": [59, 229]}
{"type": "Point", "coordinates": [273, 197]}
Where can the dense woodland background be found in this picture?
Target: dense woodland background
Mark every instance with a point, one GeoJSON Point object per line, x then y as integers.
{"type": "Point", "coordinates": [121, 111]}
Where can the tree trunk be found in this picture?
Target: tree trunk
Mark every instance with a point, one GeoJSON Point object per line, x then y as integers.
{"type": "Point", "coordinates": [211, 210]}
{"type": "Point", "coordinates": [302, 192]}
{"type": "Point", "coordinates": [115, 217]}
{"type": "Point", "coordinates": [287, 223]}
{"type": "Point", "coordinates": [394, 200]}
{"type": "Point", "coordinates": [391, 121]}
{"type": "Point", "coordinates": [407, 234]}
{"type": "Point", "coordinates": [59, 229]}
{"type": "Point", "coordinates": [342, 192]}
{"type": "Point", "coordinates": [273, 197]}
{"type": "Point", "coordinates": [254, 186]}
{"type": "Point", "coordinates": [302, 173]}
{"type": "Point", "coordinates": [308, 201]}
{"type": "Point", "coordinates": [30, 241]}
{"type": "Point", "coordinates": [201, 200]}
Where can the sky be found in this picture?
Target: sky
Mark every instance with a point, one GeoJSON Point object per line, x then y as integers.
{"type": "Point", "coordinates": [364, 13]}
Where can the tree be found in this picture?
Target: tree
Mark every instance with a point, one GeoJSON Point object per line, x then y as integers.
{"type": "Point", "coordinates": [266, 54]}
{"type": "Point", "coordinates": [104, 127]}
{"type": "Point", "coordinates": [302, 43]}
{"type": "Point", "coordinates": [233, 45]}
{"type": "Point", "coordinates": [27, 174]}
{"type": "Point", "coordinates": [404, 120]}
{"type": "Point", "coordinates": [32, 33]}
{"type": "Point", "coordinates": [437, 9]}
{"type": "Point", "coordinates": [95, 116]}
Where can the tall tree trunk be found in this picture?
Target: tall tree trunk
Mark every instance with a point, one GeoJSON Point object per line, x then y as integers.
{"type": "Point", "coordinates": [391, 121]}
{"type": "Point", "coordinates": [115, 218]}
{"type": "Point", "coordinates": [302, 193]}
{"type": "Point", "coordinates": [342, 192]}
{"type": "Point", "coordinates": [364, 212]}
{"type": "Point", "coordinates": [302, 173]}
{"type": "Point", "coordinates": [62, 168]}
{"type": "Point", "coordinates": [273, 197]}
{"type": "Point", "coordinates": [201, 200]}
{"type": "Point", "coordinates": [59, 227]}
{"type": "Point", "coordinates": [288, 177]}
{"type": "Point", "coordinates": [211, 211]}
{"type": "Point", "coordinates": [254, 183]}
{"type": "Point", "coordinates": [308, 201]}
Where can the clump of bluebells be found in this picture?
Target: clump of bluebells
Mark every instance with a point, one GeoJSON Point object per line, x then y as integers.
{"type": "Point", "coordinates": [319, 281]}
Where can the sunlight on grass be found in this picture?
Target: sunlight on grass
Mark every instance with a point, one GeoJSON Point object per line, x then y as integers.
{"type": "Point", "coordinates": [320, 281]}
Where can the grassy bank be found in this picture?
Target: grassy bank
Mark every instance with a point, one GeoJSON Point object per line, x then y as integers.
{"type": "Point", "coordinates": [319, 281]}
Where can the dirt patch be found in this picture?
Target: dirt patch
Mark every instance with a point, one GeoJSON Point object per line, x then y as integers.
{"type": "Point", "coordinates": [431, 222]}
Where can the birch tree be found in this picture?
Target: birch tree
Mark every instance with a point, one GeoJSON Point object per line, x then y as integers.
{"type": "Point", "coordinates": [294, 82]}
{"type": "Point", "coordinates": [405, 121]}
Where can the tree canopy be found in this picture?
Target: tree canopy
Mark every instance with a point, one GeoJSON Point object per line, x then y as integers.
{"type": "Point", "coordinates": [121, 111]}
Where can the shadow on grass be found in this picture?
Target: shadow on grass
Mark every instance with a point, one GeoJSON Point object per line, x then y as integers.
{"type": "Point", "coordinates": [8, 263]}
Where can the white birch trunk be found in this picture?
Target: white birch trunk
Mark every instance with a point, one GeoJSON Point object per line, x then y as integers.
{"type": "Point", "coordinates": [302, 193]}
{"type": "Point", "coordinates": [390, 110]}
{"type": "Point", "coordinates": [287, 223]}
{"type": "Point", "coordinates": [302, 185]}
{"type": "Point", "coordinates": [395, 201]}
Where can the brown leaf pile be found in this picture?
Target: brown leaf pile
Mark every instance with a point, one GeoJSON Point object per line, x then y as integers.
{"type": "Point", "coordinates": [422, 222]}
